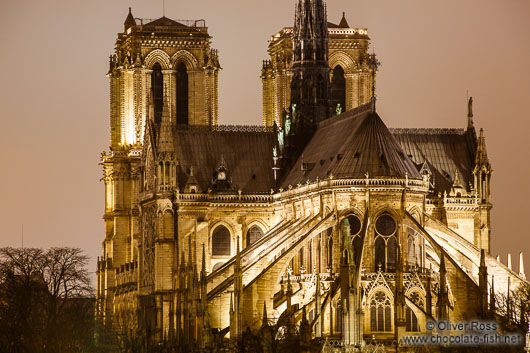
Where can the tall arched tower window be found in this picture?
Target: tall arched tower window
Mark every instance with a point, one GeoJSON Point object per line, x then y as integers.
{"type": "Point", "coordinates": [253, 234]}
{"type": "Point", "coordinates": [385, 243]}
{"type": "Point", "coordinates": [338, 87]}
{"type": "Point", "coordinates": [182, 94]}
{"type": "Point", "coordinates": [157, 87]}
{"type": "Point", "coordinates": [221, 241]}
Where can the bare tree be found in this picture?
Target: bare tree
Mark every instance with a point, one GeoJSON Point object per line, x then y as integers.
{"type": "Point", "coordinates": [46, 300]}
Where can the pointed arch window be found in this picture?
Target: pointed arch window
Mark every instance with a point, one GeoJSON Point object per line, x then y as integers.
{"type": "Point", "coordinates": [380, 313]}
{"type": "Point", "coordinates": [181, 88]}
{"type": "Point", "coordinates": [414, 255]}
{"type": "Point", "coordinates": [385, 245]}
{"type": "Point", "coordinates": [157, 88]}
{"type": "Point", "coordinates": [411, 321]}
{"type": "Point", "coordinates": [221, 241]}
{"type": "Point", "coordinates": [253, 235]}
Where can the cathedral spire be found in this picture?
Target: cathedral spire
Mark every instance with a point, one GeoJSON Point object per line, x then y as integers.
{"type": "Point", "coordinates": [310, 70]}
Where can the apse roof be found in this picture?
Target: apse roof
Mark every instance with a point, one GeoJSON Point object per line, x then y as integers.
{"type": "Point", "coordinates": [351, 145]}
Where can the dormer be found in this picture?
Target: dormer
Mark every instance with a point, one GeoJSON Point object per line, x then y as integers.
{"type": "Point", "coordinates": [427, 175]}
{"type": "Point", "coordinates": [192, 186]}
{"type": "Point", "coordinates": [221, 180]}
{"type": "Point", "coordinates": [457, 190]}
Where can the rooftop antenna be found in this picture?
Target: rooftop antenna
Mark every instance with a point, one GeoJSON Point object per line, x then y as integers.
{"type": "Point", "coordinates": [164, 8]}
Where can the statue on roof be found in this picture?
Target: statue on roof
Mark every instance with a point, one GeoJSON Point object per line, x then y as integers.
{"type": "Point", "coordinates": [280, 137]}
{"type": "Point", "coordinates": [287, 125]}
{"type": "Point", "coordinates": [338, 111]}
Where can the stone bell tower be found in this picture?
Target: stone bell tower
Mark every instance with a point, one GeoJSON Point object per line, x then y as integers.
{"type": "Point", "coordinates": [166, 72]}
{"type": "Point", "coordinates": [152, 56]}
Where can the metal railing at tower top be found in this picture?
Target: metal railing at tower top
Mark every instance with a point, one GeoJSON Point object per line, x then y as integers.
{"type": "Point", "coordinates": [189, 23]}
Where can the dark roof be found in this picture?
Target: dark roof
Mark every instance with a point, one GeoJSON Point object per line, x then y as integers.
{"type": "Point", "coordinates": [129, 21]}
{"type": "Point", "coordinates": [349, 146]}
{"type": "Point", "coordinates": [445, 150]}
{"type": "Point", "coordinates": [343, 23]}
{"type": "Point", "coordinates": [164, 21]}
{"type": "Point", "coordinates": [247, 154]}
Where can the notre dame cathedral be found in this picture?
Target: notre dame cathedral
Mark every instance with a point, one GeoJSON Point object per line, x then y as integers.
{"type": "Point", "coordinates": [322, 229]}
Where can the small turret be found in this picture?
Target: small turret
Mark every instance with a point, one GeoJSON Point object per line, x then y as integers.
{"type": "Point", "coordinates": [129, 21]}
{"type": "Point", "coordinates": [343, 23]}
{"type": "Point", "coordinates": [482, 171]}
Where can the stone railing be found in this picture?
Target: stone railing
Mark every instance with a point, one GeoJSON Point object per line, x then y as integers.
{"type": "Point", "coordinates": [308, 187]}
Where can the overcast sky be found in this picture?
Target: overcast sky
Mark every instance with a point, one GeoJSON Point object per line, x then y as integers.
{"type": "Point", "coordinates": [54, 95]}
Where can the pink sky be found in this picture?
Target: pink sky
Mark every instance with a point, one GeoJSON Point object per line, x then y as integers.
{"type": "Point", "coordinates": [54, 96]}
